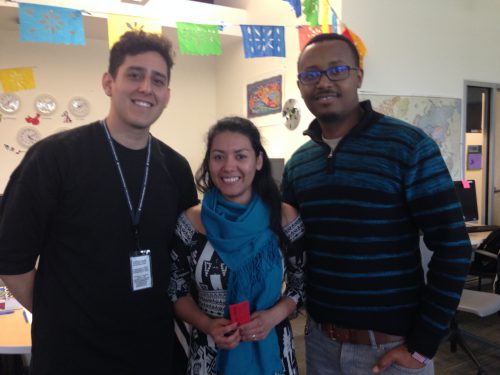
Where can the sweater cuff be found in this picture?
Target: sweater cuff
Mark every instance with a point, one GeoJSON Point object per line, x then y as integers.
{"type": "Point", "coordinates": [424, 341]}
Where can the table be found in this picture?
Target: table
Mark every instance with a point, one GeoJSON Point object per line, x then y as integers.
{"type": "Point", "coordinates": [477, 237]}
{"type": "Point", "coordinates": [15, 334]}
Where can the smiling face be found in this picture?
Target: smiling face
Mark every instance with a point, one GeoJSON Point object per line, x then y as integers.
{"type": "Point", "coordinates": [232, 166]}
{"type": "Point", "coordinates": [331, 102]}
{"type": "Point", "coordinates": [139, 93]}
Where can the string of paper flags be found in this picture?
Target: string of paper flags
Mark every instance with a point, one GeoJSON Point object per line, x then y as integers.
{"type": "Point", "coordinates": [57, 25]}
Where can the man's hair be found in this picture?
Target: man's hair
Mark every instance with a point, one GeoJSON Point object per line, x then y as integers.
{"type": "Point", "coordinates": [137, 42]}
{"type": "Point", "coordinates": [332, 36]}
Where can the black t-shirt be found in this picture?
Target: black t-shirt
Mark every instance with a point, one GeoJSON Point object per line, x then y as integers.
{"type": "Point", "coordinates": [65, 202]}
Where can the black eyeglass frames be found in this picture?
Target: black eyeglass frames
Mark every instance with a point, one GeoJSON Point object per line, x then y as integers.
{"type": "Point", "coordinates": [334, 73]}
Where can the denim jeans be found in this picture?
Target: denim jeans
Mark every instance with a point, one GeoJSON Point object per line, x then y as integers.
{"type": "Point", "coordinates": [326, 356]}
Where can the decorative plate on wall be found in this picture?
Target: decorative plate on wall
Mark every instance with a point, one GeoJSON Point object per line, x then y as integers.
{"type": "Point", "coordinates": [9, 103]}
{"type": "Point", "coordinates": [28, 136]}
{"type": "Point", "coordinates": [79, 107]}
{"type": "Point", "coordinates": [45, 104]}
{"type": "Point", "coordinates": [291, 113]}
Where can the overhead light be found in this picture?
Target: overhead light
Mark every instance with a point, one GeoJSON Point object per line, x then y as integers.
{"type": "Point", "coordinates": [137, 2]}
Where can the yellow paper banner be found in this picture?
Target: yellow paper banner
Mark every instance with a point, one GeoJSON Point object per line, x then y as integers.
{"type": "Point", "coordinates": [16, 79]}
{"type": "Point", "coordinates": [325, 26]}
{"type": "Point", "coordinates": [120, 24]}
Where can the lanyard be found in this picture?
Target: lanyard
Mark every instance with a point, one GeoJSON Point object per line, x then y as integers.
{"type": "Point", "coordinates": [135, 216]}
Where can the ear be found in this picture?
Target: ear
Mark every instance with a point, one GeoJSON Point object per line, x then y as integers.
{"type": "Point", "coordinates": [107, 80]}
{"type": "Point", "coordinates": [167, 97]}
{"type": "Point", "coordinates": [260, 161]}
{"type": "Point", "coordinates": [360, 72]}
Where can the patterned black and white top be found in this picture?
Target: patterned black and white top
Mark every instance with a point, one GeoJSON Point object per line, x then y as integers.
{"type": "Point", "coordinates": [199, 271]}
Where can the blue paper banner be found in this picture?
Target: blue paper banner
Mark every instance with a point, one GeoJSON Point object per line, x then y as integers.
{"type": "Point", "coordinates": [296, 6]}
{"type": "Point", "coordinates": [263, 41]}
{"type": "Point", "coordinates": [334, 22]}
{"type": "Point", "coordinates": [48, 24]}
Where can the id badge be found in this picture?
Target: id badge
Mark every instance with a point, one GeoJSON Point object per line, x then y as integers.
{"type": "Point", "coordinates": [140, 270]}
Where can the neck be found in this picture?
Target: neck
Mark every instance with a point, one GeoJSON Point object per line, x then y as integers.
{"type": "Point", "coordinates": [132, 138]}
{"type": "Point", "coordinates": [337, 127]}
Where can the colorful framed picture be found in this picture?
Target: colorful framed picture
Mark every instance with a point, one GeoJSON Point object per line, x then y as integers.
{"type": "Point", "coordinates": [265, 97]}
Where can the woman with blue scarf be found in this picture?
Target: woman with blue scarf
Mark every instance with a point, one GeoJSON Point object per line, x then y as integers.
{"type": "Point", "coordinates": [239, 245]}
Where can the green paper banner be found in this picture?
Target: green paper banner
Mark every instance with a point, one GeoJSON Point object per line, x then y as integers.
{"type": "Point", "coordinates": [311, 11]}
{"type": "Point", "coordinates": [197, 39]}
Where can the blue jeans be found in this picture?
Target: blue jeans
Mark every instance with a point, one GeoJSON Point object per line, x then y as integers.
{"type": "Point", "coordinates": [326, 356]}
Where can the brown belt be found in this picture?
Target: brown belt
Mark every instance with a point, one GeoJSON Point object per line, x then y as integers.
{"type": "Point", "coordinates": [357, 336]}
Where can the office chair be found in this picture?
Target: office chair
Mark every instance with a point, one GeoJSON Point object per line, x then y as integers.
{"type": "Point", "coordinates": [485, 263]}
{"type": "Point", "coordinates": [481, 304]}
{"type": "Point", "coordinates": [475, 302]}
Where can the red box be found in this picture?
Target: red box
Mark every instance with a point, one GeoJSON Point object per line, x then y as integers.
{"type": "Point", "coordinates": [240, 313]}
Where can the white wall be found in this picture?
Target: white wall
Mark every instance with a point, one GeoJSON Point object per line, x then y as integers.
{"type": "Point", "coordinates": [425, 47]}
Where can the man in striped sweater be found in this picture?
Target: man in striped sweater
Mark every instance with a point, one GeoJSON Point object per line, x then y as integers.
{"type": "Point", "coordinates": [366, 185]}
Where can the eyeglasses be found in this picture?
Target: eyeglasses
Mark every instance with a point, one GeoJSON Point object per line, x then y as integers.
{"type": "Point", "coordinates": [335, 73]}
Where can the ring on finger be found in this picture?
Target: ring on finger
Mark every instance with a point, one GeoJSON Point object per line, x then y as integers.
{"type": "Point", "coordinates": [254, 337]}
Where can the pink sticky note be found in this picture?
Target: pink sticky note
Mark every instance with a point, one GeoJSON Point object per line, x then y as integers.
{"type": "Point", "coordinates": [466, 184]}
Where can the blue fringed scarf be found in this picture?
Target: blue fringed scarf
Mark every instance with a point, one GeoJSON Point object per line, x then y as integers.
{"type": "Point", "coordinates": [241, 236]}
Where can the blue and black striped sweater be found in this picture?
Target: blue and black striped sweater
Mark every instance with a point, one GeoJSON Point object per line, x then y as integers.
{"type": "Point", "coordinates": [364, 206]}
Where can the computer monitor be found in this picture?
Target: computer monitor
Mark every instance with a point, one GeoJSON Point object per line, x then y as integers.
{"type": "Point", "coordinates": [466, 193]}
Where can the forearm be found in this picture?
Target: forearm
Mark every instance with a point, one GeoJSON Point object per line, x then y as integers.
{"type": "Point", "coordinates": [187, 309]}
{"type": "Point", "coordinates": [224, 333]}
{"type": "Point", "coordinates": [282, 309]}
{"type": "Point", "coordinates": [21, 287]}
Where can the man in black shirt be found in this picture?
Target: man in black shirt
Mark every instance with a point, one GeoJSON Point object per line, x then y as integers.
{"type": "Point", "coordinates": [98, 206]}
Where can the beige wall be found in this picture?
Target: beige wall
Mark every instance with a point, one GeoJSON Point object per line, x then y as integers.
{"type": "Point", "coordinates": [68, 71]}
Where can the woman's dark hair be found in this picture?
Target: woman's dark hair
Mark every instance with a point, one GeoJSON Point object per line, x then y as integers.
{"type": "Point", "coordinates": [263, 183]}
{"type": "Point", "coordinates": [136, 42]}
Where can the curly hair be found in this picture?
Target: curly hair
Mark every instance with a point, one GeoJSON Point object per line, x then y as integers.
{"type": "Point", "coordinates": [137, 42]}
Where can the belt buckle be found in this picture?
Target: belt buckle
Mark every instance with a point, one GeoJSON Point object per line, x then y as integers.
{"type": "Point", "coordinates": [340, 334]}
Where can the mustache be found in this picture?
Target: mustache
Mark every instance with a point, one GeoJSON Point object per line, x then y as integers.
{"type": "Point", "coordinates": [323, 92]}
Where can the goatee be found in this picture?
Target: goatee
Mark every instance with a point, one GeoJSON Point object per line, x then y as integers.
{"type": "Point", "coordinates": [329, 118]}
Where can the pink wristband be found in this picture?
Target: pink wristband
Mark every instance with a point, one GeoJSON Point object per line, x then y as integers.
{"type": "Point", "coordinates": [419, 357]}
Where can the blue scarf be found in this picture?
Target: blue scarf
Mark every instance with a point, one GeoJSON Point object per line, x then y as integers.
{"type": "Point", "coordinates": [241, 236]}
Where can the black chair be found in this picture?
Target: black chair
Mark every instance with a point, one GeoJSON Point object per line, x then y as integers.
{"type": "Point", "coordinates": [485, 264]}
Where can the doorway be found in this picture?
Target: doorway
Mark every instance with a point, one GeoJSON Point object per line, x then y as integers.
{"type": "Point", "coordinates": [482, 146]}
{"type": "Point", "coordinates": [495, 217]}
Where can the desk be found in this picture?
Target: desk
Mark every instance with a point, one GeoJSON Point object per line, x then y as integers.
{"type": "Point", "coordinates": [15, 334]}
{"type": "Point", "coordinates": [477, 237]}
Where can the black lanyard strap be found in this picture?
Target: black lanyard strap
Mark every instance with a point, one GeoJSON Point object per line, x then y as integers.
{"type": "Point", "coordinates": [135, 216]}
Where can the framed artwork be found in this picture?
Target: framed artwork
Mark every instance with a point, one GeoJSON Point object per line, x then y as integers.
{"type": "Point", "coordinates": [265, 97]}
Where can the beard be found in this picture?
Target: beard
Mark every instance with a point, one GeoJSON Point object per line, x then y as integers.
{"type": "Point", "coordinates": [328, 118]}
